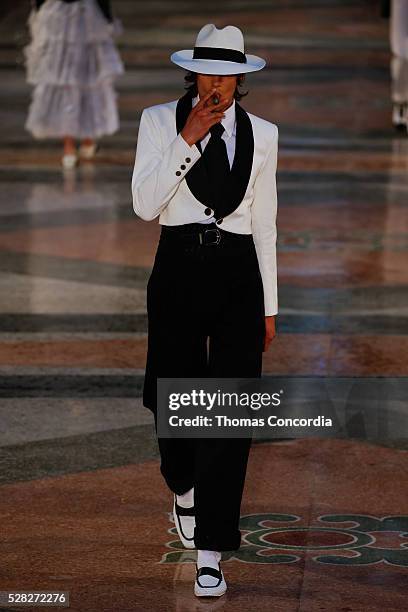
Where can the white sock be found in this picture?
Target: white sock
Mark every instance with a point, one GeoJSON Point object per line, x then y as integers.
{"type": "Point", "coordinates": [208, 558]}
{"type": "Point", "coordinates": [187, 499]}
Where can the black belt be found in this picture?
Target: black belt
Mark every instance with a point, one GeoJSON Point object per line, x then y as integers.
{"type": "Point", "coordinates": [200, 234]}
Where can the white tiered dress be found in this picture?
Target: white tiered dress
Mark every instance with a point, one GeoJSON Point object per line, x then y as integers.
{"type": "Point", "coordinates": [399, 48]}
{"type": "Point", "coordinates": [72, 61]}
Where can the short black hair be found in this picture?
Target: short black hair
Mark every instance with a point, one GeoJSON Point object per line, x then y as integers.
{"type": "Point", "coordinates": [191, 85]}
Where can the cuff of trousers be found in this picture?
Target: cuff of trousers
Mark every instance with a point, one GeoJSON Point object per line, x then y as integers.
{"type": "Point", "coordinates": [180, 486]}
{"type": "Point", "coordinates": [218, 541]}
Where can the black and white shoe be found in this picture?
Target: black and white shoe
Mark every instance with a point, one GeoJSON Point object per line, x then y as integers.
{"type": "Point", "coordinates": [184, 519]}
{"type": "Point", "coordinates": [400, 115]}
{"type": "Point", "coordinates": [215, 590]}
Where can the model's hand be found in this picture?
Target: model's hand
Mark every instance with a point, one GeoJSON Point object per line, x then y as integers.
{"type": "Point", "coordinates": [202, 117]}
{"type": "Point", "coordinates": [270, 331]}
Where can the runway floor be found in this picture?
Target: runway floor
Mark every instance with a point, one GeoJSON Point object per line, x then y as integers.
{"type": "Point", "coordinates": [83, 507]}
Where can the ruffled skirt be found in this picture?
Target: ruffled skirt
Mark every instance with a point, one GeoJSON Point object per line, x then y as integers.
{"type": "Point", "coordinates": [399, 48]}
{"type": "Point", "coordinates": [72, 61]}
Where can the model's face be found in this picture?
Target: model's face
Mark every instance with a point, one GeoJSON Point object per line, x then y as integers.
{"type": "Point", "coordinates": [225, 84]}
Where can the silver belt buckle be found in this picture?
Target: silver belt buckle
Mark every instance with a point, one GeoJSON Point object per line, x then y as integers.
{"type": "Point", "coordinates": [213, 229]}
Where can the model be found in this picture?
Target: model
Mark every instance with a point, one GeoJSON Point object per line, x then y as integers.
{"type": "Point", "coordinates": [207, 169]}
{"type": "Point", "coordinates": [72, 61]}
{"type": "Point", "coordinates": [399, 63]}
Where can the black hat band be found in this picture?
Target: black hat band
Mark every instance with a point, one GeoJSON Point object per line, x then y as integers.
{"type": "Point", "coordinates": [218, 53]}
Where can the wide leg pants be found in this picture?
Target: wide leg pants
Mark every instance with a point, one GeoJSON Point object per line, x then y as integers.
{"type": "Point", "coordinates": [206, 318]}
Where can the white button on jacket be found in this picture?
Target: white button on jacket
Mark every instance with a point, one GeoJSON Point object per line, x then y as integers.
{"type": "Point", "coordinates": [169, 181]}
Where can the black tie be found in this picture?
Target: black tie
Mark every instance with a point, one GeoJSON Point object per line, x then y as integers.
{"type": "Point", "coordinates": [216, 160]}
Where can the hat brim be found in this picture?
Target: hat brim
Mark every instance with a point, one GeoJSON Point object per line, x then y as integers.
{"type": "Point", "coordinates": [185, 60]}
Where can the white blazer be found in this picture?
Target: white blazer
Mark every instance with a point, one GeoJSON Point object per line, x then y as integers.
{"type": "Point", "coordinates": [171, 183]}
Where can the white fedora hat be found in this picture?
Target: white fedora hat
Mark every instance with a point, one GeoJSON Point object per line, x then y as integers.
{"type": "Point", "coordinates": [218, 51]}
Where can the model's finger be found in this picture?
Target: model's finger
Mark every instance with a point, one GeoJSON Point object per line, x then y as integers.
{"type": "Point", "coordinates": [216, 117]}
{"type": "Point", "coordinates": [209, 94]}
{"type": "Point", "coordinates": [215, 114]}
{"type": "Point", "coordinates": [204, 112]}
{"type": "Point", "coordinates": [208, 117]}
{"type": "Point", "coordinates": [221, 107]}
{"type": "Point", "coordinates": [224, 103]}
{"type": "Point", "coordinates": [200, 105]}
{"type": "Point", "coordinates": [205, 99]}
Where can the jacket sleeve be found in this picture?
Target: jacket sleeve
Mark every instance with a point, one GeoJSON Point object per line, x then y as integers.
{"type": "Point", "coordinates": [263, 220]}
{"type": "Point", "coordinates": [158, 173]}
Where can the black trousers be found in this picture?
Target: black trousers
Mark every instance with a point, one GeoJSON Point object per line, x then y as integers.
{"type": "Point", "coordinates": [199, 293]}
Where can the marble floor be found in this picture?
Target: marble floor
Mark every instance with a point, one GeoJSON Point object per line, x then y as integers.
{"type": "Point", "coordinates": [83, 507]}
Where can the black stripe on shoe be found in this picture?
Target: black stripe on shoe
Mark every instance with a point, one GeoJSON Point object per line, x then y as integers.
{"type": "Point", "coordinates": [185, 511]}
{"type": "Point", "coordinates": [208, 571]}
{"type": "Point", "coordinates": [179, 511]}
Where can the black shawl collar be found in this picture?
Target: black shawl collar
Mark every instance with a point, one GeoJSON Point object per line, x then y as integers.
{"type": "Point", "coordinates": [236, 186]}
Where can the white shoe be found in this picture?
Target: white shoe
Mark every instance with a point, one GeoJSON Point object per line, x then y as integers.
{"type": "Point", "coordinates": [184, 519]}
{"type": "Point", "coordinates": [215, 590]}
{"type": "Point", "coordinates": [400, 115]}
{"type": "Point", "coordinates": [88, 151]}
{"type": "Point", "coordinates": [69, 160]}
